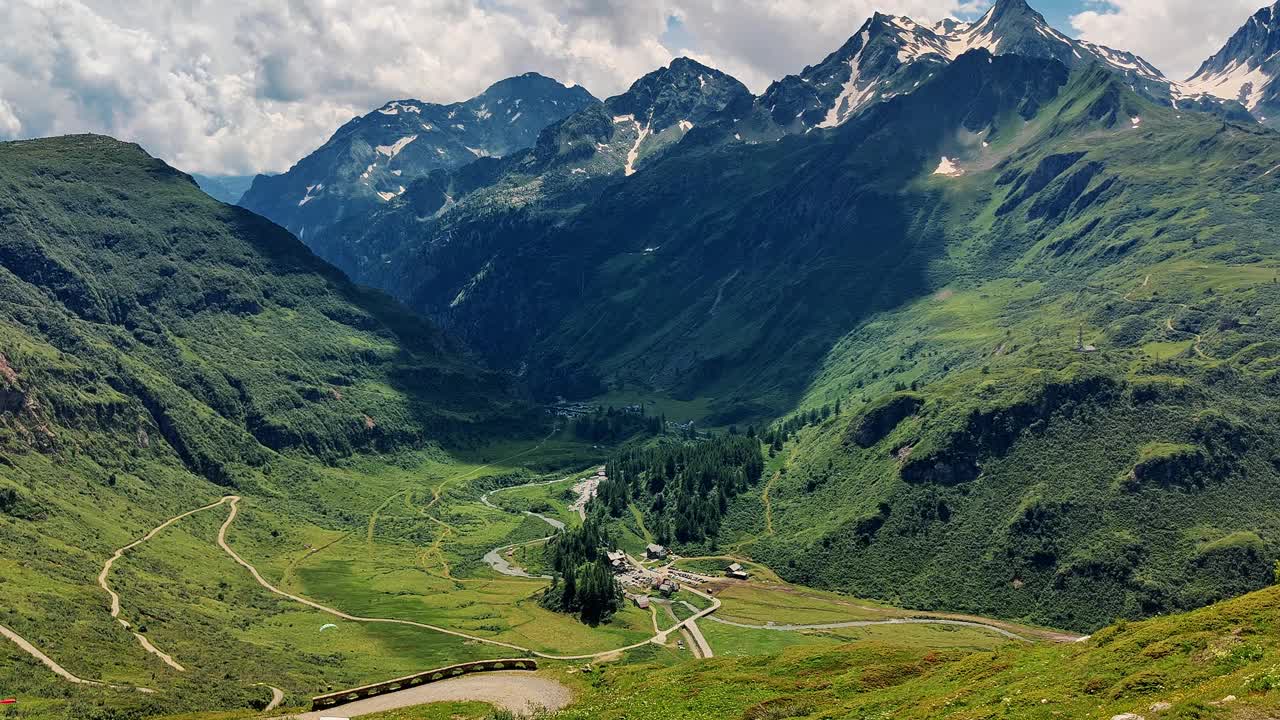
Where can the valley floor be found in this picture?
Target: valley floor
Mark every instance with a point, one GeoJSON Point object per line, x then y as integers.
{"type": "Point", "coordinates": [394, 574]}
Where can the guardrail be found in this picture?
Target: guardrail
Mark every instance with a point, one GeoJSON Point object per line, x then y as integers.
{"type": "Point", "coordinates": [329, 700]}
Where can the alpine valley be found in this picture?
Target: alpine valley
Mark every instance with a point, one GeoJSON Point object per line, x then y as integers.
{"type": "Point", "coordinates": [941, 379]}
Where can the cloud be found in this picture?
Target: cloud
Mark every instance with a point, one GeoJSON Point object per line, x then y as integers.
{"type": "Point", "coordinates": [762, 40]}
{"type": "Point", "coordinates": [10, 126]}
{"type": "Point", "coordinates": [1175, 35]}
{"type": "Point", "coordinates": [240, 86]}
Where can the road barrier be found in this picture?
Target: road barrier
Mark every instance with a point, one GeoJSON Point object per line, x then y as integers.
{"type": "Point", "coordinates": [322, 702]}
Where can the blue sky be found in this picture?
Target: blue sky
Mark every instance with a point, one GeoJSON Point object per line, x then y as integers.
{"type": "Point", "coordinates": [1059, 12]}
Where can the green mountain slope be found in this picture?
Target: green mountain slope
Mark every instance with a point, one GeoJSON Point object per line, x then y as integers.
{"type": "Point", "coordinates": [158, 350]}
{"type": "Point", "coordinates": [1220, 662]}
{"type": "Point", "coordinates": [1036, 477]}
{"type": "Point", "coordinates": [219, 324]}
{"type": "Point", "coordinates": [720, 269]}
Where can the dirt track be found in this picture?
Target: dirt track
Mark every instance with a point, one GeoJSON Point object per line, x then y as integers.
{"type": "Point", "coordinates": [514, 691]}
{"type": "Point", "coordinates": [115, 599]}
{"type": "Point", "coordinates": [48, 662]}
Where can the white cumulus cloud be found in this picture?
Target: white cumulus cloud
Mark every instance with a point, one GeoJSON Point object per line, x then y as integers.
{"type": "Point", "coordinates": [241, 86]}
{"type": "Point", "coordinates": [10, 125]}
{"type": "Point", "coordinates": [1175, 35]}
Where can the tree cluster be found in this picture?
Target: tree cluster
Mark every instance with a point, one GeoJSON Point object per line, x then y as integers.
{"type": "Point", "coordinates": [685, 488]}
{"type": "Point", "coordinates": [583, 583]}
{"type": "Point", "coordinates": [610, 426]}
{"type": "Point", "coordinates": [780, 433]}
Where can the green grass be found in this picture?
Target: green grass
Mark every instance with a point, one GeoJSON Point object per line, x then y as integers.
{"type": "Point", "coordinates": [759, 606]}
{"type": "Point", "coordinates": [1189, 661]}
{"type": "Point", "coordinates": [730, 641]}
{"type": "Point", "coordinates": [675, 409]}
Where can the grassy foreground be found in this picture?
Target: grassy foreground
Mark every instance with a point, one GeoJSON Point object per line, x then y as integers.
{"type": "Point", "coordinates": [1219, 662]}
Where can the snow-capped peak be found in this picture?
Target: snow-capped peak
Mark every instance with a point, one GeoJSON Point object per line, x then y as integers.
{"type": "Point", "coordinates": [892, 54]}
{"type": "Point", "coordinates": [1245, 67]}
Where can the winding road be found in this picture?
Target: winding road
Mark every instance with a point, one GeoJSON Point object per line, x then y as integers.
{"type": "Point", "coordinates": [115, 599]}
{"type": "Point", "coordinates": [515, 692]}
{"type": "Point", "coordinates": [660, 637]}
{"type": "Point", "coordinates": [277, 697]}
{"type": "Point", "coordinates": [62, 672]}
{"type": "Point", "coordinates": [871, 623]}
{"type": "Point", "coordinates": [222, 542]}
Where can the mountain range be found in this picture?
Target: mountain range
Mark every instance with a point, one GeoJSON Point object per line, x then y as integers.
{"type": "Point", "coordinates": [768, 255]}
{"type": "Point", "coordinates": [1244, 70]}
{"type": "Point", "coordinates": [372, 159]}
{"type": "Point", "coordinates": [361, 166]}
{"type": "Point", "coordinates": [411, 246]}
{"type": "Point", "coordinates": [996, 310]}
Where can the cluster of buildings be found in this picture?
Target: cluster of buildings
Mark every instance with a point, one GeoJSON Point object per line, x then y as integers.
{"type": "Point", "coordinates": [572, 410]}
{"type": "Point", "coordinates": [566, 409]}
{"type": "Point", "coordinates": [666, 581]}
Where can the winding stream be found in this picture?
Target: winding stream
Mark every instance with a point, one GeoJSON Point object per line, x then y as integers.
{"type": "Point", "coordinates": [496, 558]}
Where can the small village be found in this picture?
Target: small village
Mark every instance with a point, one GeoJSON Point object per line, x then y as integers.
{"type": "Point", "coordinates": [641, 579]}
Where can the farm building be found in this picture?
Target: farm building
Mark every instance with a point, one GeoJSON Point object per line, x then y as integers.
{"type": "Point", "coordinates": [666, 587]}
{"type": "Point", "coordinates": [617, 560]}
{"type": "Point", "coordinates": [655, 552]}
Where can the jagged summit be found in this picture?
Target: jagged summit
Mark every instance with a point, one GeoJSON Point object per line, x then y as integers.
{"type": "Point", "coordinates": [372, 159]}
{"type": "Point", "coordinates": [891, 55]}
{"type": "Point", "coordinates": [685, 91]}
{"type": "Point", "coordinates": [1245, 68]}
{"type": "Point", "coordinates": [1003, 9]}
{"type": "Point", "coordinates": [1254, 43]}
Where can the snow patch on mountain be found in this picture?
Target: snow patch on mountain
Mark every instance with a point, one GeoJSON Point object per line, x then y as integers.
{"type": "Point", "coordinates": [397, 107]}
{"type": "Point", "coordinates": [634, 153]}
{"type": "Point", "coordinates": [1238, 81]}
{"type": "Point", "coordinates": [308, 197]}
{"type": "Point", "coordinates": [965, 37]}
{"type": "Point", "coordinates": [851, 97]}
{"type": "Point", "coordinates": [948, 168]}
{"type": "Point", "coordinates": [394, 149]}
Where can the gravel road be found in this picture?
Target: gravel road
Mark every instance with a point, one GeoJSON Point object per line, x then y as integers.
{"type": "Point", "coordinates": [514, 691]}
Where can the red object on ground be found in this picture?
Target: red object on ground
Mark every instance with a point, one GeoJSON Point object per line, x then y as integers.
{"type": "Point", "coordinates": [8, 701]}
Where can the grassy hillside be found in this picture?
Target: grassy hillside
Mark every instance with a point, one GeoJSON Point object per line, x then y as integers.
{"type": "Point", "coordinates": [1042, 479]}
{"type": "Point", "coordinates": [158, 350]}
{"type": "Point", "coordinates": [1220, 662]}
